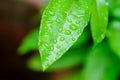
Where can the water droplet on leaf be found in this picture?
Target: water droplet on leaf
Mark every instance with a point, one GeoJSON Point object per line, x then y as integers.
{"type": "Point", "coordinates": [62, 39]}
{"type": "Point", "coordinates": [73, 27]}
{"type": "Point", "coordinates": [67, 32]}
{"type": "Point", "coordinates": [79, 32]}
{"type": "Point", "coordinates": [51, 48]}
{"type": "Point", "coordinates": [73, 39]}
{"type": "Point", "coordinates": [58, 20]}
{"type": "Point", "coordinates": [55, 41]}
{"type": "Point", "coordinates": [78, 22]}
{"type": "Point", "coordinates": [58, 46]}
{"type": "Point", "coordinates": [51, 13]}
{"type": "Point", "coordinates": [60, 30]}
{"type": "Point", "coordinates": [50, 21]}
{"type": "Point", "coordinates": [48, 46]}
{"type": "Point", "coordinates": [69, 20]}
{"type": "Point", "coordinates": [79, 15]}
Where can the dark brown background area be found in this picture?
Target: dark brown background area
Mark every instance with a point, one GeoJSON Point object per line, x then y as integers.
{"type": "Point", "coordinates": [16, 21]}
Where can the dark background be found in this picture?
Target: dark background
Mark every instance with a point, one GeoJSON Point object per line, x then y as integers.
{"type": "Point", "coordinates": [16, 21]}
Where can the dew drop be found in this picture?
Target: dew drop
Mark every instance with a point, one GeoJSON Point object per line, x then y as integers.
{"type": "Point", "coordinates": [73, 39]}
{"type": "Point", "coordinates": [58, 47]}
{"type": "Point", "coordinates": [60, 30]}
{"type": "Point", "coordinates": [58, 20]}
{"type": "Point", "coordinates": [73, 27]}
{"type": "Point", "coordinates": [67, 32]}
{"type": "Point", "coordinates": [77, 22]}
{"type": "Point", "coordinates": [49, 21]}
{"type": "Point", "coordinates": [51, 13]}
{"type": "Point", "coordinates": [62, 39]}
{"type": "Point", "coordinates": [51, 48]}
{"type": "Point", "coordinates": [79, 15]}
{"type": "Point", "coordinates": [55, 41]}
{"type": "Point", "coordinates": [69, 20]}
{"type": "Point", "coordinates": [79, 32]}
{"type": "Point", "coordinates": [48, 46]}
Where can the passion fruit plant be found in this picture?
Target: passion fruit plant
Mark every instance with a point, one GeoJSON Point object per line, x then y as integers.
{"type": "Point", "coordinates": [74, 32]}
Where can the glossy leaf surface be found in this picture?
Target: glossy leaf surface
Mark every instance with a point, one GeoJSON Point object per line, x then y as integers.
{"type": "Point", "coordinates": [77, 54]}
{"type": "Point", "coordinates": [71, 58]}
{"type": "Point", "coordinates": [99, 19]}
{"type": "Point", "coordinates": [63, 21]}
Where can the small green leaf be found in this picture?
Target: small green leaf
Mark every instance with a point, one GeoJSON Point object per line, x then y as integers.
{"type": "Point", "coordinates": [29, 43]}
{"type": "Point", "coordinates": [34, 63]}
{"type": "Point", "coordinates": [113, 36]}
{"type": "Point", "coordinates": [99, 19]}
{"type": "Point", "coordinates": [63, 21]}
{"type": "Point", "coordinates": [101, 64]}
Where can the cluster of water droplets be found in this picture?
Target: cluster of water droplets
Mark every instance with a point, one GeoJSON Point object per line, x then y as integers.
{"type": "Point", "coordinates": [64, 32]}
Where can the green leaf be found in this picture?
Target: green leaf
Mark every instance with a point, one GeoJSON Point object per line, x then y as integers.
{"type": "Point", "coordinates": [30, 42]}
{"type": "Point", "coordinates": [114, 8]}
{"type": "Point", "coordinates": [34, 63]}
{"type": "Point", "coordinates": [63, 21]}
{"type": "Point", "coordinates": [101, 64]}
{"type": "Point", "coordinates": [71, 58]}
{"type": "Point", "coordinates": [99, 19]}
{"type": "Point", "coordinates": [113, 36]}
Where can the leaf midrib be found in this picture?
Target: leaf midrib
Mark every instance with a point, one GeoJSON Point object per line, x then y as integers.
{"type": "Point", "coordinates": [68, 13]}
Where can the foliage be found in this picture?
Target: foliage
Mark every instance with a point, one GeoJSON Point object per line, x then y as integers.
{"type": "Point", "coordinates": [74, 32]}
{"type": "Point", "coordinates": [26, 45]}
